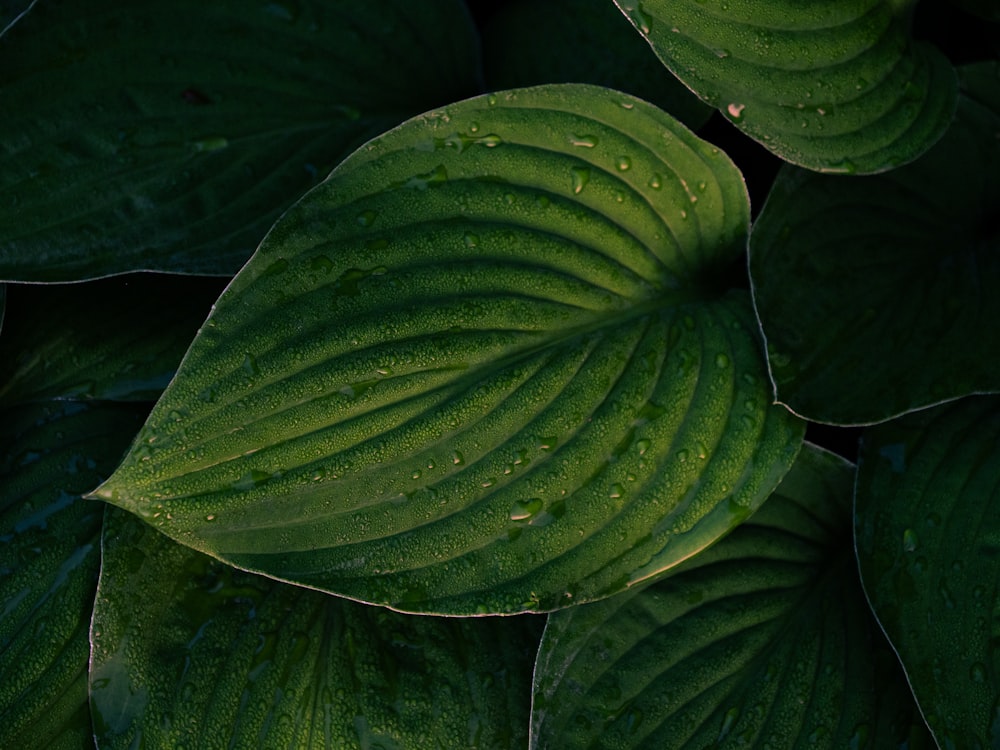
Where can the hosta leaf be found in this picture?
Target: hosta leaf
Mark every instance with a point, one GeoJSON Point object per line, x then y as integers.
{"type": "Point", "coordinates": [49, 561]}
{"type": "Point", "coordinates": [834, 87]}
{"type": "Point", "coordinates": [927, 539]}
{"type": "Point", "coordinates": [189, 652]}
{"type": "Point", "coordinates": [118, 339]}
{"type": "Point", "coordinates": [526, 43]}
{"type": "Point", "coordinates": [763, 641]}
{"type": "Point", "coordinates": [485, 367]}
{"type": "Point", "coordinates": [174, 132]}
{"type": "Point", "coordinates": [877, 295]}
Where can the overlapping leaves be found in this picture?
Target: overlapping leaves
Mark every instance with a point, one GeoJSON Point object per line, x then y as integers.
{"type": "Point", "coordinates": [915, 251]}
{"type": "Point", "coordinates": [927, 539]}
{"type": "Point", "coordinates": [761, 641]}
{"type": "Point", "coordinates": [834, 87]}
{"type": "Point", "coordinates": [482, 368]}
{"type": "Point", "coordinates": [170, 135]}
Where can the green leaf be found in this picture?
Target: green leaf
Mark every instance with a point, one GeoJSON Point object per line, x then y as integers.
{"type": "Point", "coordinates": [118, 339]}
{"type": "Point", "coordinates": [927, 538]}
{"type": "Point", "coordinates": [526, 43]}
{"type": "Point", "coordinates": [874, 294]}
{"type": "Point", "coordinates": [189, 652]}
{"type": "Point", "coordinates": [762, 641]}
{"type": "Point", "coordinates": [172, 133]}
{"type": "Point", "coordinates": [834, 87]}
{"type": "Point", "coordinates": [49, 561]}
{"type": "Point", "coordinates": [485, 367]}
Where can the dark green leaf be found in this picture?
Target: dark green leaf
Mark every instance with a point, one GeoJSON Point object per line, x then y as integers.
{"type": "Point", "coordinates": [879, 295]}
{"type": "Point", "coordinates": [485, 367]}
{"type": "Point", "coordinates": [527, 43]}
{"type": "Point", "coordinates": [835, 87]}
{"type": "Point", "coordinates": [762, 641]}
{"type": "Point", "coordinates": [49, 562]}
{"type": "Point", "coordinates": [928, 539]}
{"type": "Point", "coordinates": [119, 339]}
{"type": "Point", "coordinates": [170, 134]}
{"type": "Point", "coordinates": [189, 652]}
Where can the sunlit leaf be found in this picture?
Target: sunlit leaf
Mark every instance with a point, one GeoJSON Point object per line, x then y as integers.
{"type": "Point", "coordinates": [49, 561]}
{"type": "Point", "coordinates": [763, 641]}
{"type": "Point", "coordinates": [119, 339]}
{"type": "Point", "coordinates": [189, 652]}
{"type": "Point", "coordinates": [928, 540]}
{"type": "Point", "coordinates": [878, 295]}
{"type": "Point", "coordinates": [834, 87]}
{"type": "Point", "coordinates": [170, 134]}
{"type": "Point", "coordinates": [486, 367]}
{"type": "Point", "coordinates": [527, 42]}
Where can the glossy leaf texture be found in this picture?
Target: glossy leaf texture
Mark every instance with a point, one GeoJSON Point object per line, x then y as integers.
{"type": "Point", "coordinates": [117, 339]}
{"type": "Point", "coordinates": [877, 295]}
{"type": "Point", "coordinates": [51, 453]}
{"type": "Point", "coordinates": [927, 539]}
{"type": "Point", "coordinates": [173, 134]}
{"type": "Point", "coordinates": [832, 87]}
{"type": "Point", "coordinates": [762, 641]}
{"type": "Point", "coordinates": [482, 368]}
{"type": "Point", "coordinates": [189, 652]}
{"type": "Point", "coordinates": [526, 43]}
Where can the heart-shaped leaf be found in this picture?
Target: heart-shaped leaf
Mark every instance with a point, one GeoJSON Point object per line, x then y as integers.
{"type": "Point", "coordinates": [762, 641]}
{"type": "Point", "coordinates": [172, 133]}
{"type": "Point", "coordinates": [189, 652]}
{"type": "Point", "coordinates": [117, 339]}
{"type": "Point", "coordinates": [928, 541]}
{"type": "Point", "coordinates": [49, 560]}
{"type": "Point", "coordinates": [482, 368]}
{"type": "Point", "coordinates": [876, 294]}
{"type": "Point", "coordinates": [526, 43]}
{"type": "Point", "coordinates": [835, 87]}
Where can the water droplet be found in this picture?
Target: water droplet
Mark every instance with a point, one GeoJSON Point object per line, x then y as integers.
{"type": "Point", "coordinates": [490, 141]}
{"type": "Point", "coordinates": [210, 517]}
{"type": "Point", "coordinates": [642, 446]}
{"type": "Point", "coordinates": [213, 143]}
{"type": "Point", "coordinates": [623, 163]}
{"type": "Point", "coordinates": [616, 491]}
{"type": "Point", "coordinates": [366, 218]}
{"type": "Point", "coordinates": [473, 127]}
{"type": "Point", "coordinates": [721, 360]}
{"type": "Point", "coordinates": [416, 474]}
{"type": "Point", "coordinates": [457, 458]}
{"type": "Point", "coordinates": [735, 111]}
{"type": "Point", "coordinates": [728, 720]}
{"type": "Point", "coordinates": [547, 443]}
{"type": "Point", "coordinates": [470, 240]}
{"type": "Point", "coordinates": [641, 20]}
{"type": "Point", "coordinates": [524, 510]}
{"type": "Point", "coordinates": [491, 99]}
{"type": "Point", "coordinates": [580, 178]}
{"type": "Point", "coordinates": [909, 540]}
{"type": "Point", "coordinates": [583, 141]}
{"type": "Point", "coordinates": [655, 182]}
{"type": "Point", "coordinates": [683, 455]}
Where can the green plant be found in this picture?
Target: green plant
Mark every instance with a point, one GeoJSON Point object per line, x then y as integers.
{"type": "Point", "coordinates": [528, 350]}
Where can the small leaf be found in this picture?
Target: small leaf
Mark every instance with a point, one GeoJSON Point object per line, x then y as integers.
{"type": "Point", "coordinates": [876, 295]}
{"type": "Point", "coordinates": [526, 43]}
{"type": "Point", "coordinates": [482, 368]}
{"type": "Point", "coordinates": [49, 561]}
{"type": "Point", "coordinates": [834, 87]}
{"type": "Point", "coordinates": [189, 652]}
{"type": "Point", "coordinates": [927, 538]}
{"type": "Point", "coordinates": [174, 132]}
{"type": "Point", "coordinates": [118, 339]}
{"type": "Point", "coordinates": [762, 641]}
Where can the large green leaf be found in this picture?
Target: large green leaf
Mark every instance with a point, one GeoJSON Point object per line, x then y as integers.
{"type": "Point", "coordinates": [49, 560]}
{"type": "Point", "coordinates": [835, 86]}
{"type": "Point", "coordinates": [526, 43]}
{"type": "Point", "coordinates": [928, 540]}
{"type": "Point", "coordinates": [878, 295]}
{"type": "Point", "coordinates": [118, 339]}
{"type": "Point", "coordinates": [485, 367]}
{"type": "Point", "coordinates": [763, 641]}
{"type": "Point", "coordinates": [189, 652]}
{"type": "Point", "coordinates": [170, 134]}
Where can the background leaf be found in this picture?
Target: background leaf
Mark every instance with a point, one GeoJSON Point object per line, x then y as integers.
{"type": "Point", "coordinates": [927, 539]}
{"type": "Point", "coordinates": [837, 87]}
{"type": "Point", "coordinates": [119, 339]}
{"type": "Point", "coordinates": [762, 641]}
{"type": "Point", "coordinates": [526, 43]}
{"type": "Point", "coordinates": [877, 295]}
{"type": "Point", "coordinates": [485, 367]}
{"type": "Point", "coordinates": [173, 134]}
{"type": "Point", "coordinates": [50, 454]}
{"type": "Point", "coordinates": [190, 652]}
